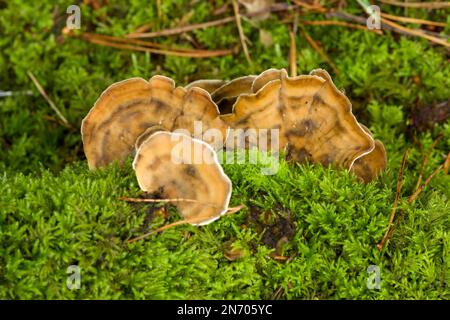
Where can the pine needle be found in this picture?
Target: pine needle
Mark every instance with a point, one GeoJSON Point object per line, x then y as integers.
{"type": "Point", "coordinates": [425, 159]}
{"type": "Point", "coordinates": [413, 20]}
{"type": "Point", "coordinates": [241, 32]}
{"type": "Point", "coordinates": [415, 32]}
{"type": "Point", "coordinates": [165, 200]}
{"type": "Point", "coordinates": [47, 98]}
{"type": "Point", "coordinates": [396, 198]}
{"type": "Point", "coordinates": [145, 46]}
{"type": "Point", "coordinates": [174, 31]}
{"type": "Point", "coordinates": [319, 49]}
{"type": "Point", "coordinates": [422, 186]}
{"type": "Point", "coordinates": [425, 5]}
{"type": "Point", "coordinates": [293, 48]}
{"type": "Point", "coordinates": [181, 222]}
{"type": "Point", "coordinates": [340, 23]}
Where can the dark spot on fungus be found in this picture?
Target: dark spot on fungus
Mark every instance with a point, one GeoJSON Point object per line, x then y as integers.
{"type": "Point", "coordinates": [154, 165]}
{"type": "Point", "coordinates": [300, 155]}
{"type": "Point", "coordinates": [191, 171]}
{"type": "Point", "coordinates": [326, 159]}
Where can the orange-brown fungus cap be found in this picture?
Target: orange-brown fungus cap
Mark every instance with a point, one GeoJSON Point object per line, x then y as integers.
{"type": "Point", "coordinates": [209, 85]}
{"type": "Point", "coordinates": [314, 118]}
{"type": "Point", "coordinates": [180, 167]}
{"type": "Point", "coordinates": [226, 95]}
{"type": "Point", "coordinates": [369, 166]}
{"type": "Point", "coordinates": [264, 78]}
{"type": "Point", "coordinates": [127, 108]}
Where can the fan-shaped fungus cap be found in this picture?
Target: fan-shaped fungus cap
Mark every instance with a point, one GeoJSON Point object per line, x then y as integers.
{"type": "Point", "coordinates": [180, 167]}
{"type": "Point", "coordinates": [226, 95]}
{"type": "Point", "coordinates": [369, 166]}
{"type": "Point", "coordinates": [264, 78]}
{"type": "Point", "coordinates": [127, 108]}
{"type": "Point", "coordinates": [209, 85]}
{"type": "Point", "coordinates": [314, 118]}
{"type": "Point", "coordinates": [147, 133]}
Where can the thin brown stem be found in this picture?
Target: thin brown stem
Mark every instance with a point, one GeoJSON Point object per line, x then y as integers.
{"type": "Point", "coordinates": [191, 54]}
{"type": "Point", "coordinates": [165, 200]}
{"type": "Point", "coordinates": [177, 223]}
{"type": "Point", "coordinates": [169, 32]}
{"type": "Point", "coordinates": [310, 7]}
{"type": "Point", "coordinates": [381, 244]}
{"type": "Point", "coordinates": [392, 26]}
{"type": "Point", "coordinates": [181, 222]}
{"type": "Point", "coordinates": [143, 43]}
{"type": "Point", "coordinates": [425, 160]}
{"type": "Point", "coordinates": [241, 31]}
{"type": "Point", "coordinates": [292, 54]}
{"type": "Point", "coordinates": [424, 5]}
{"type": "Point", "coordinates": [319, 49]}
{"type": "Point", "coordinates": [422, 186]}
{"type": "Point", "coordinates": [419, 33]}
{"type": "Point", "coordinates": [174, 31]}
{"type": "Point", "coordinates": [47, 98]}
{"type": "Point", "coordinates": [148, 234]}
{"type": "Point", "coordinates": [235, 209]}
{"type": "Point", "coordinates": [340, 23]}
{"type": "Point", "coordinates": [412, 20]}
{"type": "Point", "coordinates": [447, 164]}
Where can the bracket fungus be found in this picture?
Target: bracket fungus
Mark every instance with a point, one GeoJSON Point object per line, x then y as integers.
{"type": "Point", "coordinates": [209, 85]}
{"type": "Point", "coordinates": [226, 95]}
{"type": "Point", "coordinates": [315, 119]}
{"type": "Point", "coordinates": [186, 170]}
{"type": "Point", "coordinates": [127, 108]}
{"type": "Point", "coordinates": [158, 121]}
{"type": "Point", "coordinates": [369, 166]}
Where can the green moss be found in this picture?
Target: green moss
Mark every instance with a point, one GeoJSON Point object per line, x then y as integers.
{"type": "Point", "coordinates": [55, 213]}
{"type": "Point", "coordinates": [75, 217]}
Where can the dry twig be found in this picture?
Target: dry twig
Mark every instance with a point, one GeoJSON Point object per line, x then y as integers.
{"type": "Point", "coordinates": [173, 31]}
{"type": "Point", "coordinates": [427, 181]}
{"type": "Point", "coordinates": [340, 23]}
{"type": "Point", "coordinates": [164, 200]}
{"type": "Point", "coordinates": [411, 198]}
{"type": "Point", "coordinates": [447, 164]}
{"type": "Point", "coordinates": [397, 196]}
{"type": "Point", "coordinates": [424, 5]}
{"type": "Point", "coordinates": [293, 48]}
{"type": "Point", "coordinates": [319, 49]}
{"type": "Point", "coordinates": [425, 159]}
{"type": "Point", "coordinates": [415, 32]}
{"type": "Point", "coordinates": [177, 223]}
{"type": "Point", "coordinates": [46, 97]}
{"type": "Point", "coordinates": [310, 7]}
{"type": "Point", "coordinates": [241, 32]}
{"type": "Point", "coordinates": [412, 20]}
{"type": "Point", "coordinates": [145, 46]}
{"type": "Point", "coordinates": [390, 25]}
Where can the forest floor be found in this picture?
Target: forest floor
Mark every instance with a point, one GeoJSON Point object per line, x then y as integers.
{"type": "Point", "coordinates": [307, 232]}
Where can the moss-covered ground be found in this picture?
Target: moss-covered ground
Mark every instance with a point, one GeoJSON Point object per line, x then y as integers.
{"type": "Point", "coordinates": [307, 232]}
